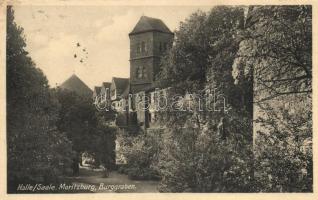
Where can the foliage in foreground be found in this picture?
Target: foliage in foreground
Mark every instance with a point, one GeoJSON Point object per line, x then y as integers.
{"type": "Point", "coordinates": [201, 160]}
{"type": "Point", "coordinates": [37, 151]}
{"type": "Point", "coordinates": [87, 128]}
{"type": "Point", "coordinates": [276, 53]}
{"type": "Point", "coordinates": [141, 153]}
{"type": "Point", "coordinates": [272, 50]}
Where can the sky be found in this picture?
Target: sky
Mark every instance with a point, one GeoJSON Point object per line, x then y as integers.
{"type": "Point", "coordinates": [52, 34]}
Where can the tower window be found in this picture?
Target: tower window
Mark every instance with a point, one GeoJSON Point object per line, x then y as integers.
{"type": "Point", "coordinates": [165, 46]}
{"type": "Point", "coordinates": [143, 47]}
{"type": "Point", "coordinates": [141, 72]}
{"type": "Point", "coordinates": [144, 74]}
{"type": "Point", "coordinates": [138, 49]}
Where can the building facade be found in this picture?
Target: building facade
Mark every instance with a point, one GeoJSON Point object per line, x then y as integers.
{"type": "Point", "coordinates": [131, 97]}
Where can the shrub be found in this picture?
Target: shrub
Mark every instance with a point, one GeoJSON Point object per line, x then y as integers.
{"type": "Point", "coordinates": [141, 154]}
{"type": "Point", "coordinates": [201, 160]}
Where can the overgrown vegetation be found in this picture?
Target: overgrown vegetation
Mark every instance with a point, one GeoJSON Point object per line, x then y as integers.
{"type": "Point", "coordinates": [276, 52]}
{"type": "Point", "coordinates": [47, 129]}
{"type": "Point", "coordinates": [87, 128]}
{"type": "Point", "coordinates": [141, 155]}
{"type": "Point", "coordinates": [37, 150]}
{"type": "Point", "coordinates": [259, 58]}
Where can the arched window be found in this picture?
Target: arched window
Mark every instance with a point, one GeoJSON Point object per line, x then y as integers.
{"type": "Point", "coordinates": [164, 46]}
{"type": "Point", "coordinates": [138, 48]}
{"type": "Point", "coordinates": [143, 47]}
{"type": "Point", "coordinates": [144, 72]}
{"type": "Point", "coordinates": [138, 72]}
{"type": "Point", "coordinates": [141, 72]}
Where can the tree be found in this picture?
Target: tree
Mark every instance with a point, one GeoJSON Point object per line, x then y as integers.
{"type": "Point", "coordinates": [37, 151]}
{"type": "Point", "coordinates": [105, 140]}
{"type": "Point", "coordinates": [276, 54]}
{"type": "Point", "coordinates": [77, 119]}
{"type": "Point", "coordinates": [185, 63]}
{"type": "Point", "coordinates": [203, 42]}
{"type": "Point", "coordinates": [197, 157]}
{"type": "Point", "coordinates": [86, 127]}
{"type": "Point", "coordinates": [283, 147]}
{"type": "Point", "coordinates": [276, 50]}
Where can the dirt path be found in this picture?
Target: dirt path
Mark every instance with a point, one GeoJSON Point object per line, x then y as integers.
{"type": "Point", "coordinates": [114, 183]}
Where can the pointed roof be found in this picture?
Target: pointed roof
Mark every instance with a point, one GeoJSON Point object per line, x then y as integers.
{"type": "Point", "coordinates": [97, 90]}
{"type": "Point", "coordinates": [106, 84]}
{"type": "Point", "coordinates": [121, 84]}
{"type": "Point", "coordinates": [146, 24]}
{"type": "Point", "coordinates": [126, 91]}
{"type": "Point", "coordinates": [76, 85]}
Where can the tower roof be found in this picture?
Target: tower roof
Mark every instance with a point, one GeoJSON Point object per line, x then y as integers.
{"type": "Point", "coordinates": [146, 24]}
{"type": "Point", "coordinates": [76, 85]}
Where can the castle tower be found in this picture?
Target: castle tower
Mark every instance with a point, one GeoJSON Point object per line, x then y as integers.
{"type": "Point", "coordinates": [148, 41]}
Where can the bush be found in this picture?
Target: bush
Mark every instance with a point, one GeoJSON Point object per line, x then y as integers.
{"type": "Point", "coordinates": [141, 153]}
{"type": "Point", "coordinates": [201, 160]}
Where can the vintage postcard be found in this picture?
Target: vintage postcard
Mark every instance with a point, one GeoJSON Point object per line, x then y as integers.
{"type": "Point", "coordinates": [158, 99]}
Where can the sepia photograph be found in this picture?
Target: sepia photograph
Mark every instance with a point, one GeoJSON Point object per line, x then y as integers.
{"type": "Point", "coordinates": [159, 99]}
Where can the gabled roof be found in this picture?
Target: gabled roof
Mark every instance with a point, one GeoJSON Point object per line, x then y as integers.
{"type": "Point", "coordinates": [121, 84]}
{"type": "Point", "coordinates": [97, 90]}
{"type": "Point", "coordinates": [106, 84]}
{"type": "Point", "coordinates": [146, 24]}
{"type": "Point", "coordinates": [126, 91]}
{"type": "Point", "coordinates": [76, 85]}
